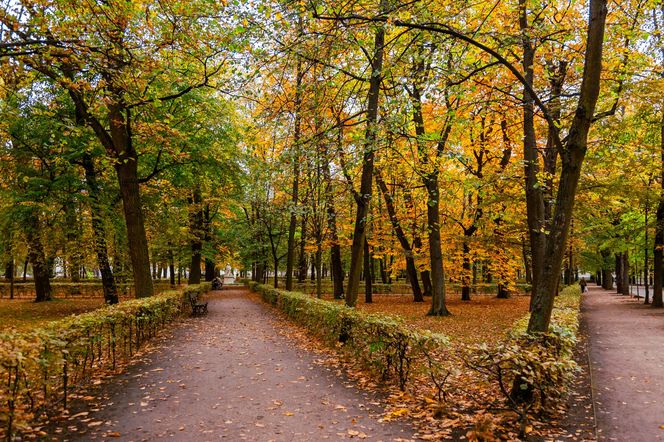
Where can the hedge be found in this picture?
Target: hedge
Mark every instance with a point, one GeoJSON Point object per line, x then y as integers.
{"type": "Point", "coordinates": [39, 369]}
{"type": "Point", "coordinates": [534, 372]}
{"type": "Point", "coordinates": [542, 365]}
{"type": "Point", "coordinates": [382, 343]}
{"type": "Point", "coordinates": [94, 289]}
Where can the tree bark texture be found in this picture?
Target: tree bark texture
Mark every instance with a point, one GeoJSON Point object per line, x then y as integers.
{"type": "Point", "coordinates": [571, 160]}
{"type": "Point", "coordinates": [534, 197]}
{"type": "Point", "coordinates": [658, 262]}
{"type": "Point", "coordinates": [335, 248]}
{"type": "Point", "coordinates": [126, 169]}
{"type": "Point", "coordinates": [99, 231]}
{"type": "Point", "coordinates": [366, 180]}
{"type": "Point", "coordinates": [302, 259]}
{"type": "Point", "coordinates": [290, 255]}
{"type": "Point", "coordinates": [209, 269]}
{"type": "Point", "coordinates": [37, 257]}
{"type": "Point", "coordinates": [368, 274]}
{"type": "Point", "coordinates": [625, 273]}
{"type": "Point", "coordinates": [171, 266]}
{"type": "Point", "coordinates": [411, 270]}
{"type": "Point", "coordinates": [619, 272]}
{"type": "Point", "coordinates": [196, 231]}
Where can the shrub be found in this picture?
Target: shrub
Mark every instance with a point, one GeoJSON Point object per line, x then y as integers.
{"type": "Point", "coordinates": [534, 371]}
{"type": "Point", "coordinates": [382, 343]}
{"type": "Point", "coordinates": [39, 368]}
{"type": "Point", "coordinates": [541, 365]}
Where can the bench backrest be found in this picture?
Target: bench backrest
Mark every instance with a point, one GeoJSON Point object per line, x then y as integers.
{"type": "Point", "coordinates": [193, 298]}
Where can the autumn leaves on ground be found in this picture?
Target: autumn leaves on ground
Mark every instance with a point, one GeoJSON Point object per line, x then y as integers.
{"type": "Point", "coordinates": [410, 151]}
{"type": "Point", "coordinates": [211, 348]}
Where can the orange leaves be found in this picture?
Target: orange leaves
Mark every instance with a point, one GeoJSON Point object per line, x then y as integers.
{"type": "Point", "coordinates": [483, 319]}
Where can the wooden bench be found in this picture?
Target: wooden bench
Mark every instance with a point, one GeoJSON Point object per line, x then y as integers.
{"type": "Point", "coordinates": [197, 308]}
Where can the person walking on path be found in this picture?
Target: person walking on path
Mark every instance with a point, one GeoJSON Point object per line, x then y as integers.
{"type": "Point", "coordinates": [583, 285]}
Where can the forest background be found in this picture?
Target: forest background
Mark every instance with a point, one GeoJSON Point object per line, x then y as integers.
{"type": "Point", "coordinates": [450, 144]}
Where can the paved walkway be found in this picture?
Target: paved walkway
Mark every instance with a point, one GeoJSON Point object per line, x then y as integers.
{"type": "Point", "coordinates": [232, 376]}
{"type": "Point", "coordinates": [627, 355]}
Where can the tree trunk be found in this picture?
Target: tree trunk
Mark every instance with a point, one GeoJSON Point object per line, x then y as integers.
{"type": "Point", "coordinates": [534, 197]}
{"type": "Point", "coordinates": [74, 236]}
{"type": "Point", "coordinates": [99, 231]}
{"type": "Point", "coordinates": [318, 260]}
{"type": "Point", "coordinates": [209, 269]}
{"type": "Point", "coordinates": [383, 270]}
{"type": "Point", "coordinates": [525, 251]}
{"type": "Point", "coordinates": [335, 248]}
{"type": "Point", "coordinates": [127, 173]}
{"type": "Point", "coordinates": [571, 160]}
{"type": "Point", "coordinates": [426, 282]}
{"type": "Point", "coordinates": [25, 267]}
{"type": "Point", "coordinates": [290, 255]}
{"type": "Point", "coordinates": [465, 287]}
{"type": "Point", "coordinates": [658, 264]}
{"type": "Point", "coordinates": [9, 268]}
{"type": "Point", "coordinates": [625, 273]}
{"type": "Point", "coordinates": [38, 259]}
{"type": "Point", "coordinates": [619, 272]}
{"type": "Point", "coordinates": [368, 274]}
{"type": "Point", "coordinates": [126, 168]}
{"type": "Point", "coordinates": [302, 263]}
{"type": "Point", "coordinates": [411, 271]}
{"type": "Point", "coordinates": [196, 232]}
{"type": "Point", "coordinates": [646, 263]}
{"type": "Point", "coordinates": [430, 181]}
{"type": "Point", "coordinates": [366, 180]}
{"type": "Point", "coordinates": [171, 266]}
{"type": "Point", "coordinates": [438, 307]}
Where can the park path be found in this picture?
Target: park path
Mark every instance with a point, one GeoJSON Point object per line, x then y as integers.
{"type": "Point", "coordinates": [626, 350]}
{"type": "Point", "coordinates": [232, 376]}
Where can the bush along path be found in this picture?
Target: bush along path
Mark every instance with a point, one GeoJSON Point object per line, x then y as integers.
{"type": "Point", "coordinates": [43, 369]}
{"type": "Point", "coordinates": [229, 375]}
{"type": "Point", "coordinates": [627, 365]}
{"type": "Point", "coordinates": [452, 390]}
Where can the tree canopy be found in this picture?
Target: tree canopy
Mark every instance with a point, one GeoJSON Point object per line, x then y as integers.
{"type": "Point", "coordinates": [447, 144]}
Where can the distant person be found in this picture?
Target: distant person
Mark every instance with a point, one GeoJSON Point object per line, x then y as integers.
{"type": "Point", "coordinates": [217, 283]}
{"type": "Point", "coordinates": [583, 285]}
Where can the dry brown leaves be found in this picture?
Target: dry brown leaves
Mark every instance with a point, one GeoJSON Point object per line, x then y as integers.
{"type": "Point", "coordinates": [464, 415]}
{"type": "Point", "coordinates": [23, 314]}
{"type": "Point", "coordinates": [482, 319]}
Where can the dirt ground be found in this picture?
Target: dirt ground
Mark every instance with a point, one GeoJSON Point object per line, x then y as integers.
{"type": "Point", "coordinates": [230, 376]}
{"type": "Point", "coordinates": [626, 339]}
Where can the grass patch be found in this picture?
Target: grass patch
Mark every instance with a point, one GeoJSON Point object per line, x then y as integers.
{"type": "Point", "coordinates": [24, 315]}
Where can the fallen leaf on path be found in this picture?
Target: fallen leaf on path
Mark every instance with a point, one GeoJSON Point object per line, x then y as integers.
{"type": "Point", "coordinates": [81, 414]}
